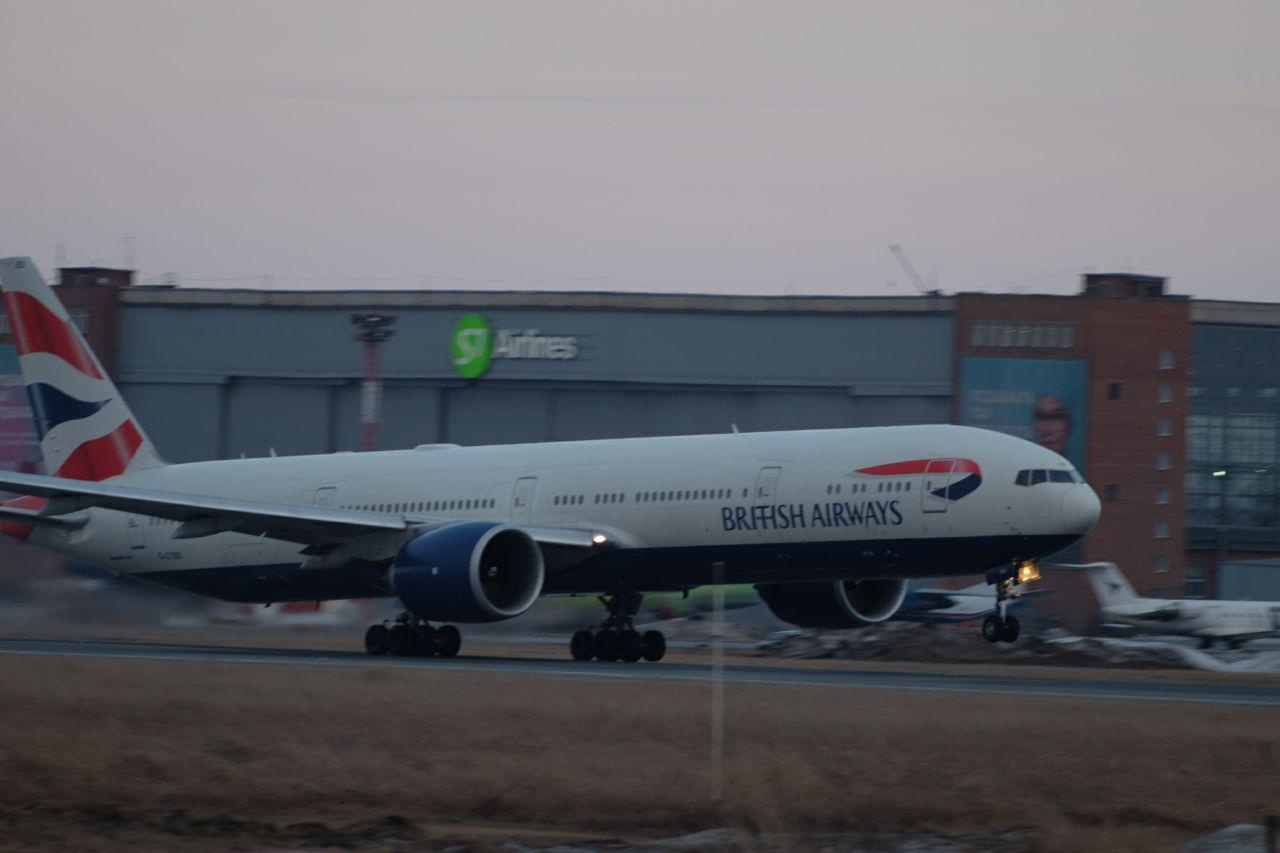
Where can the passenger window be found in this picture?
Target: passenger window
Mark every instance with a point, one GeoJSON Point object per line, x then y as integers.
{"type": "Point", "coordinates": [1038, 476]}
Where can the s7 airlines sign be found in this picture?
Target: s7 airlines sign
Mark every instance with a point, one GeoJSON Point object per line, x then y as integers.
{"type": "Point", "coordinates": [476, 344]}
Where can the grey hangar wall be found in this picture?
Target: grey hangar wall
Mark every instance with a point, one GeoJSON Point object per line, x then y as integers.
{"type": "Point", "coordinates": [210, 377]}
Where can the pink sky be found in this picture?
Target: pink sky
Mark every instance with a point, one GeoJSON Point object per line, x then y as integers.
{"type": "Point", "coordinates": [720, 147]}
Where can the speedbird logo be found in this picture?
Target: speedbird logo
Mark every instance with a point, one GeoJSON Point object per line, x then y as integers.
{"type": "Point", "coordinates": [949, 479]}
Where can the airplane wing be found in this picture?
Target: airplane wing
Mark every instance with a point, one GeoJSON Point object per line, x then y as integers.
{"type": "Point", "coordinates": [205, 515]}
{"type": "Point", "coordinates": [30, 516]}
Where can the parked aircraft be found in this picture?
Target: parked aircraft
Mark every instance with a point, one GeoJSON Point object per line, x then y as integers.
{"type": "Point", "coordinates": [1233, 622]}
{"type": "Point", "coordinates": [829, 524]}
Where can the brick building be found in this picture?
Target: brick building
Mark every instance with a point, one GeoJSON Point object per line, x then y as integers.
{"type": "Point", "coordinates": [1133, 344]}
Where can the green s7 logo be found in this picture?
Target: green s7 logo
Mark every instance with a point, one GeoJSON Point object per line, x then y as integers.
{"type": "Point", "coordinates": [472, 346]}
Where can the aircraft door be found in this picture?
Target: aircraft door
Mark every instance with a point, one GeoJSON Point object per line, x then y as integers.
{"type": "Point", "coordinates": [135, 532]}
{"type": "Point", "coordinates": [766, 486]}
{"type": "Point", "coordinates": [325, 496]}
{"type": "Point", "coordinates": [522, 500]}
{"type": "Point", "coordinates": [935, 480]}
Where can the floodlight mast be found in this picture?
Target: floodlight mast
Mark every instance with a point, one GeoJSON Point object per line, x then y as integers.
{"type": "Point", "coordinates": [372, 330]}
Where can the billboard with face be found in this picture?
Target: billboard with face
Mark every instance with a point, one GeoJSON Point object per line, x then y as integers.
{"type": "Point", "coordinates": [1041, 400]}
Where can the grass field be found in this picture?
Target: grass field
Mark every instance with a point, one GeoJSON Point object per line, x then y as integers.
{"type": "Point", "coordinates": [99, 754]}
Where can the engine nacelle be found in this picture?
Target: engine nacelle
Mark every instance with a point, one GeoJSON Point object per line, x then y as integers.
{"type": "Point", "coordinates": [473, 571]}
{"type": "Point", "coordinates": [842, 604]}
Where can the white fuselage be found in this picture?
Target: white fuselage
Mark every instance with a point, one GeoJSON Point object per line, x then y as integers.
{"type": "Point", "coordinates": [782, 504]}
{"type": "Point", "coordinates": [1198, 617]}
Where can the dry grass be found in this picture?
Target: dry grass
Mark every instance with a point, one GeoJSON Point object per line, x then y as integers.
{"type": "Point", "coordinates": [107, 754]}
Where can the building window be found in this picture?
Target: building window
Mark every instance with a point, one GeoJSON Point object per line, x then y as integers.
{"type": "Point", "coordinates": [1162, 529]}
{"type": "Point", "coordinates": [1164, 394]}
{"type": "Point", "coordinates": [1195, 581]}
{"type": "Point", "coordinates": [1162, 494]}
{"type": "Point", "coordinates": [977, 335]}
{"type": "Point", "coordinates": [1113, 493]}
{"type": "Point", "coordinates": [81, 319]}
{"type": "Point", "coordinates": [1113, 390]}
{"type": "Point", "coordinates": [1068, 336]}
{"type": "Point", "coordinates": [1164, 427]}
{"type": "Point", "coordinates": [1164, 461]}
{"type": "Point", "coordinates": [1161, 564]}
{"type": "Point", "coordinates": [1164, 360]}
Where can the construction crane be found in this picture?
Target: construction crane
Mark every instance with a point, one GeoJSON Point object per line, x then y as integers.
{"type": "Point", "coordinates": [909, 269]}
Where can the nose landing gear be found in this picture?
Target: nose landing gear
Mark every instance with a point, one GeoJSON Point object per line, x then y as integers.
{"type": "Point", "coordinates": [1003, 626]}
{"type": "Point", "coordinates": [617, 638]}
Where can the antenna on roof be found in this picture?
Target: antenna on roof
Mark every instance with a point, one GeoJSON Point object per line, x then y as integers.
{"type": "Point", "coordinates": [914, 277]}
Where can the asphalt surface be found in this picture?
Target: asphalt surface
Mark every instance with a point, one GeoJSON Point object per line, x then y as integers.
{"type": "Point", "coordinates": [1084, 688]}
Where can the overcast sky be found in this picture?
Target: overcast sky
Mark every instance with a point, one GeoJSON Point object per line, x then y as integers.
{"type": "Point", "coordinates": [723, 147]}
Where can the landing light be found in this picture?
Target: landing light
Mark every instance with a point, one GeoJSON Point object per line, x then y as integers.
{"type": "Point", "coordinates": [1028, 571]}
{"type": "Point", "coordinates": [1219, 473]}
{"type": "Point", "coordinates": [599, 539]}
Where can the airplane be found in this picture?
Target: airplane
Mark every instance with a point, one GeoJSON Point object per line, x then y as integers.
{"type": "Point", "coordinates": [828, 524]}
{"type": "Point", "coordinates": [1233, 622]}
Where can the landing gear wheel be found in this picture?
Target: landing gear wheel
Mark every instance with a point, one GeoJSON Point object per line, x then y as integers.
{"type": "Point", "coordinates": [377, 640]}
{"type": "Point", "coordinates": [448, 641]}
{"type": "Point", "coordinates": [606, 645]}
{"type": "Point", "coordinates": [628, 646]}
{"type": "Point", "coordinates": [653, 645]}
{"type": "Point", "coordinates": [1011, 628]}
{"type": "Point", "coordinates": [582, 646]}
{"type": "Point", "coordinates": [992, 630]}
{"type": "Point", "coordinates": [401, 640]}
{"type": "Point", "coordinates": [424, 641]}
{"type": "Point", "coordinates": [1206, 642]}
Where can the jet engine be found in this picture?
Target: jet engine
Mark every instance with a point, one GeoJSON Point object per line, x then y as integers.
{"type": "Point", "coordinates": [475, 571]}
{"type": "Point", "coordinates": [843, 604]}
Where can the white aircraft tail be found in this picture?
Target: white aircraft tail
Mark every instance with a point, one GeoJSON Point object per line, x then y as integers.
{"type": "Point", "coordinates": [1110, 584]}
{"type": "Point", "coordinates": [86, 431]}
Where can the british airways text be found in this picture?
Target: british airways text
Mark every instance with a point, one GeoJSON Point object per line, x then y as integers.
{"type": "Point", "coordinates": [828, 514]}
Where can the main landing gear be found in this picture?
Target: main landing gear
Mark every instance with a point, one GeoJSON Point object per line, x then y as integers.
{"type": "Point", "coordinates": [1003, 626]}
{"type": "Point", "coordinates": [410, 636]}
{"type": "Point", "coordinates": [617, 638]}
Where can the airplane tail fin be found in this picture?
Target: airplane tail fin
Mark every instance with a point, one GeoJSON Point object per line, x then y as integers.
{"type": "Point", "coordinates": [86, 431]}
{"type": "Point", "coordinates": [1110, 584]}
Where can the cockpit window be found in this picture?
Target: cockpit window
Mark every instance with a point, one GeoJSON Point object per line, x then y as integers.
{"type": "Point", "coordinates": [1035, 476]}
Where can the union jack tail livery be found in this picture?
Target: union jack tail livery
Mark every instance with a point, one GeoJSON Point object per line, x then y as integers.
{"type": "Point", "coordinates": [86, 431]}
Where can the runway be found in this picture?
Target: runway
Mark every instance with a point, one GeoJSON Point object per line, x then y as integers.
{"type": "Point", "coordinates": [1017, 685]}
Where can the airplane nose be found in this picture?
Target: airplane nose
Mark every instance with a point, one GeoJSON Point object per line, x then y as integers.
{"type": "Point", "coordinates": [1080, 509]}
